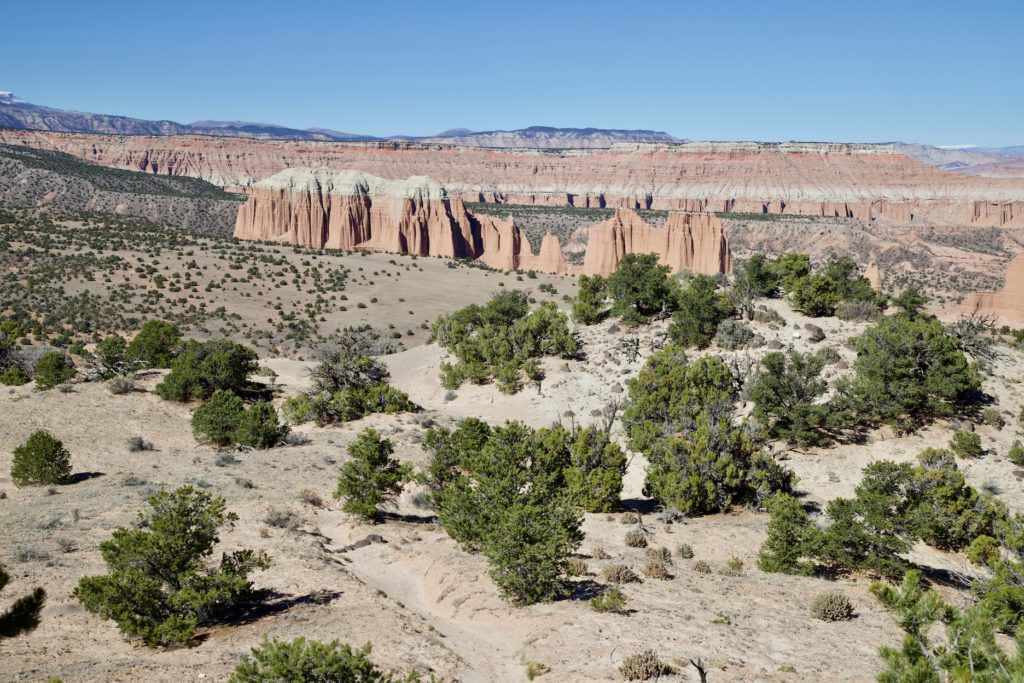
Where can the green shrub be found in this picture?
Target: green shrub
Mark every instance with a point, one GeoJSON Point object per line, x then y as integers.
{"type": "Point", "coordinates": [612, 600]}
{"type": "Point", "coordinates": [259, 427]}
{"type": "Point", "coordinates": [785, 393]}
{"type": "Point", "coordinates": [790, 536]}
{"type": "Point", "coordinates": [685, 551]}
{"type": "Point", "coordinates": [158, 587]}
{"type": "Point", "coordinates": [42, 459]}
{"type": "Point", "coordinates": [595, 470]}
{"type": "Point", "coordinates": [908, 370]}
{"type": "Point", "coordinates": [832, 606]}
{"type": "Point", "coordinates": [498, 339]}
{"type": "Point", "coordinates": [789, 268]}
{"type": "Point", "coordinates": [838, 280]}
{"type": "Point", "coordinates": [111, 356]}
{"type": "Point", "coordinates": [309, 660]}
{"type": "Point", "coordinates": [968, 649]}
{"type": "Point", "coordinates": [217, 420]}
{"type": "Point", "coordinates": [371, 477]}
{"type": "Point", "coordinates": [712, 467]}
{"type": "Point", "coordinates": [966, 444]}
{"type": "Point", "coordinates": [203, 368]}
{"type": "Point", "coordinates": [668, 393]}
{"type": "Point", "coordinates": [52, 369]}
{"type": "Point", "coordinates": [14, 376]}
{"type": "Point", "coordinates": [155, 345]}
{"type": "Point", "coordinates": [297, 409]}
{"type": "Point", "coordinates": [640, 288]}
{"type": "Point", "coordinates": [733, 335]}
{"type": "Point", "coordinates": [502, 491]}
{"type": "Point", "coordinates": [1016, 454]}
{"type": "Point", "coordinates": [23, 614]}
{"type": "Point", "coordinates": [589, 307]}
{"type": "Point", "coordinates": [701, 308]}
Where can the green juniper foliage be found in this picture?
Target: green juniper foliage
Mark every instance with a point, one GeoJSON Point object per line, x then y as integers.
{"type": "Point", "coordinates": [589, 307]}
{"type": "Point", "coordinates": [641, 288]}
{"type": "Point", "coordinates": [155, 345]}
{"type": "Point", "coordinates": [371, 477]}
{"type": "Point", "coordinates": [204, 367]}
{"type": "Point", "coordinates": [497, 340]}
{"type": "Point", "coordinates": [785, 393]}
{"type": "Point", "coordinates": [502, 491]}
{"type": "Point", "coordinates": [52, 369]}
{"type": "Point", "coordinates": [701, 307]}
{"type": "Point", "coordinates": [23, 615]}
{"type": "Point", "coordinates": [301, 660]}
{"type": "Point", "coordinates": [158, 586]}
{"type": "Point", "coordinates": [42, 459]}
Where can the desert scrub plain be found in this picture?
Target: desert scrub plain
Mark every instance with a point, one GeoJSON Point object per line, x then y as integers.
{"type": "Point", "coordinates": [71, 280]}
{"type": "Point", "coordinates": [727, 472]}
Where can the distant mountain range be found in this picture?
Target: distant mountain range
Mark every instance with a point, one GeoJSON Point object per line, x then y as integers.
{"type": "Point", "coordinates": [15, 113]}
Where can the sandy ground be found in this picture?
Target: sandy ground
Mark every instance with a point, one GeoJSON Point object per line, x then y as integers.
{"type": "Point", "coordinates": [417, 597]}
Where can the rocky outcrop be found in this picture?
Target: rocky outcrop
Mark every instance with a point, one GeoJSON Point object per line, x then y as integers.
{"type": "Point", "coordinates": [504, 247]}
{"type": "Point", "coordinates": [1007, 305]}
{"type": "Point", "coordinates": [695, 242]}
{"type": "Point", "coordinates": [350, 210]}
{"type": "Point", "coordinates": [867, 182]}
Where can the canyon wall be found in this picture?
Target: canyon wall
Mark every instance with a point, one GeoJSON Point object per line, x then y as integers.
{"type": "Point", "coordinates": [1007, 305]}
{"type": "Point", "coordinates": [867, 182]}
{"type": "Point", "coordinates": [695, 242]}
{"type": "Point", "coordinates": [350, 210]}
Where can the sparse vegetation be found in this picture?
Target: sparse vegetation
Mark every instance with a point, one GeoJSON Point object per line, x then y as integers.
{"type": "Point", "coordinates": [41, 460]}
{"type": "Point", "coordinates": [158, 587]}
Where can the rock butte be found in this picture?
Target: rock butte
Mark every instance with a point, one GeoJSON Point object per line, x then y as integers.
{"type": "Point", "coordinates": [868, 182]}
{"type": "Point", "coordinates": [353, 210]}
{"type": "Point", "coordinates": [1007, 305]}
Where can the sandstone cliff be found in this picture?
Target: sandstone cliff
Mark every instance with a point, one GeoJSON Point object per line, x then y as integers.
{"type": "Point", "coordinates": [868, 182]}
{"type": "Point", "coordinates": [1007, 305]}
{"type": "Point", "coordinates": [351, 210]}
{"type": "Point", "coordinates": [689, 241]}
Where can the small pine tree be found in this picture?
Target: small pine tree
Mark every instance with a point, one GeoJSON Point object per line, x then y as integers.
{"type": "Point", "coordinates": [158, 587]}
{"type": "Point", "coordinates": [309, 660]}
{"type": "Point", "coordinates": [217, 420]}
{"type": "Point", "coordinates": [371, 477]}
{"type": "Point", "coordinates": [589, 307]}
{"type": "Point", "coordinates": [155, 345]}
{"type": "Point", "coordinates": [52, 369]}
{"type": "Point", "coordinates": [259, 427]}
{"type": "Point", "coordinates": [23, 615]}
{"type": "Point", "coordinates": [789, 534]}
{"type": "Point", "coordinates": [42, 459]}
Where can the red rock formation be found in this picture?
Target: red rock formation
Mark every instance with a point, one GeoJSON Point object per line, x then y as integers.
{"type": "Point", "coordinates": [689, 241]}
{"type": "Point", "coordinates": [1007, 304]}
{"type": "Point", "coordinates": [871, 182]}
{"type": "Point", "coordinates": [351, 210]}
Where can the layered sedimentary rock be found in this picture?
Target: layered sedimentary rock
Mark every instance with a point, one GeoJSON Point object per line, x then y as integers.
{"type": "Point", "coordinates": [867, 182]}
{"type": "Point", "coordinates": [351, 210]}
{"type": "Point", "coordinates": [689, 241]}
{"type": "Point", "coordinates": [1007, 305]}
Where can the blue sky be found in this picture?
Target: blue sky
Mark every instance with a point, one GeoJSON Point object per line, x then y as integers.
{"type": "Point", "coordinates": [937, 72]}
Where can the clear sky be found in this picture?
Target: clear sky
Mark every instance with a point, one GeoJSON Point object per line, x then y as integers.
{"type": "Point", "coordinates": [937, 72]}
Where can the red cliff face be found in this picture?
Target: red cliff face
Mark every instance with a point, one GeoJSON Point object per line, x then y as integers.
{"type": "Point", "coordinates": [856, 181]}
{"type": "Point", "coordinates": [1007, 305]}
{"type": "Point", "coordinates": [350, 210]}
{"type": "Point", "coordinates": [689, 241]}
